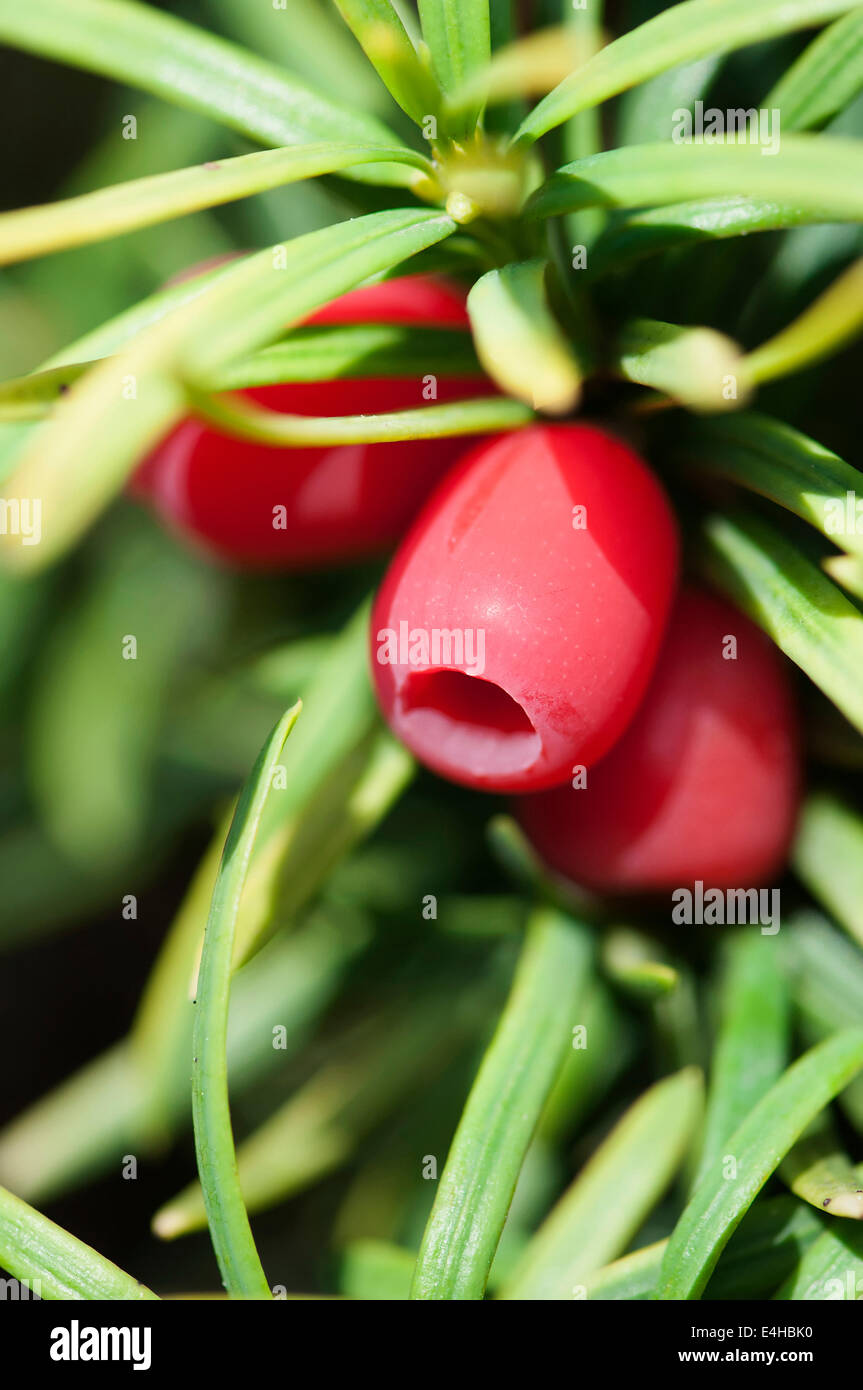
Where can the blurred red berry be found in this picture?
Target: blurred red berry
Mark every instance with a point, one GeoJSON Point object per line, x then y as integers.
{"type": "Point", "coordinates": [340, 503]}
{"type": "Point", "coordinates": [517, 627]}
{"type": "Point", "coordinates": [704, 783]}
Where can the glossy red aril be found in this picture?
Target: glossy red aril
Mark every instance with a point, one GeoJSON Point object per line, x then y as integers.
{"type": "Point", "coordinates": [517, 627]}
{"type": "Point", "coordinates": [704, 783]}
{"type": "Point", "coordinates": [341, 502]}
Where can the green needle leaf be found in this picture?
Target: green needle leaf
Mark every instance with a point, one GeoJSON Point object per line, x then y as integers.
{"type": "Point", "coordinates": [644, 109]}
{"type": "Point", "coordinates": [818, 1170]}
{"type": "Point", "coordinates": [826, 77]}
{"type": "Point", "coordinates": [340, 781]}
{"type": "Point", "coordinates": [635, 964]}
{"type": "Point", "coordinates": [39, 231]}
{"type": "Point", "coordinates": [831, 1267]}
{"type": "Point", "coordinates": [503, 31]}
{"type": "Point", "coordinates": [372, 1269]}
{"type": "Point", "coordinates": [317, 353]}
{"type": "Point", "coordinates": [590, 1071]}
{"type": "Point", "coordinates": [681, 34]}
{"type": "Point", "coordinates": [828, 857]}
{"type": "Point", "coordinates": [826, 971]}
{"type": "Point", "coordinates": [823, 964]}
{"type": "Point", "coordinates": [354, 350]}
{"type": "Point", "coordinates": [138, 45]}
{"type": "Point", "coordinates": [779, 462]}
{"type": "Point", "coordinates": [519, 341]}
{"type": "Point", "coordinates": [76, 461]}
{"type": "Point", "coordinates": [821, 83]}
{"type": "Point", "coordinates": [819, 174]}
{"type": "Point", "coordinates": [529, 66]}
{"type": "Point", "coordinates": [805, 614]}
{"type": "Point", "coordinates": [751, 1050]}
{"type": "Point", "coordinates": [236, 416]}
{"type": "Point", "coordinates": [698, 367]}
{"type": "Point", "coordinates": [76, 1129]}
{"type": "Point", "coordinates": [758, 1146]}
{"type": "Point", "coordinates": [502, 1110]}
{"type": "Point", "coordinates": [661, 229]}
{"type": "Point", "coordinates": [68, 365]}
{"type": "Point", "coordinates": [83, 1127]}
{"type": "Point", "coordinates": [214, 1143]}
{"type": "Point", "coordinates": [117, 332]}
{"type": "Point", "coordinates": [54, 1263]}
{"type": "Point", "coordinates": [457, 33]}
{"type": "Point", "coordinates": [31, 397]}
{"type": "Point", "coordinates": [582, 136]}
{"type": "Point", "coordinates": [617, 1189]}
{"type": "Point", "coordinates": [826, 326]}
{"type": "Point", "coordinates": [95, 715]}
{"type": "Point", "coordinates": [319, 1127]}
{"type": "Point", "coordinates": [390, 51]}
{"type": "Point", "coordinates": [629, 1279]}
{"type": "Point", "coordinates": [309, 39]}
{"type": "Point", "coordinates": [845, 570]}
{"type": "Point", "coordinates": [763, 1250]}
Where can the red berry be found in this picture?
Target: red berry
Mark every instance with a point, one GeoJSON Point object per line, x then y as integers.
{"type": "Point", "coordinates": [341, 502]}
{"type": "Point", "coordinates": [548, 560]}
{"type": "Point", "coordinates": [703, 785]}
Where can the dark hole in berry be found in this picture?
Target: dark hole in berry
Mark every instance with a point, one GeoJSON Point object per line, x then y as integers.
{"type": "Point", "coordinates": [472, 723]}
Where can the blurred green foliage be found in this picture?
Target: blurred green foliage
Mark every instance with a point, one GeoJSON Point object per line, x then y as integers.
{"type": "Point", "coordinates": [117, 775]}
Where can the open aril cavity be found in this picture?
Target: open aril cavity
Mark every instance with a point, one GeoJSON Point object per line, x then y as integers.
{"type": "Point", "coordinates": [469, 723]}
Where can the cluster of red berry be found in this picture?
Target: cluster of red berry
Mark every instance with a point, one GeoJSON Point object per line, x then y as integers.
{"type": "Point", "coordinates": [529, 637]}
